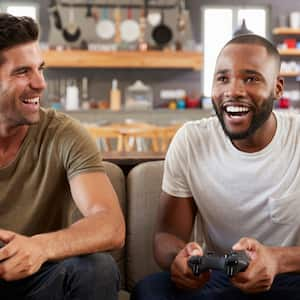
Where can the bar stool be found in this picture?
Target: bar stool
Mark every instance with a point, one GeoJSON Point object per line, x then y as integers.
{"type": "Point", "coordinates": [107, 138]}
{"type": "Point", "coordinates": [166, 135]}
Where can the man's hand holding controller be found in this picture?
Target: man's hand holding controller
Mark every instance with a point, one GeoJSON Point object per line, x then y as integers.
{"type": "Point", "coordinates": [181, 274]}
{"type": "Point", "coordinates": [231, 263]}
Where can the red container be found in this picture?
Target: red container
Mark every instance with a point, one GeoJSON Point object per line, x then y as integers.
{"type": "Point", "coordinates": [290, 43]}
{"type": "Point", "coordinates": [192, 102]}
{"type": "Point", "coordinates": [284, 103]}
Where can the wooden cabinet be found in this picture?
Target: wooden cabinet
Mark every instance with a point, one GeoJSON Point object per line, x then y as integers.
{"type": "Point", "coordinates": [123, 59]}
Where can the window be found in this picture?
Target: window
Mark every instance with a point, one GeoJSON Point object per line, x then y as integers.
{"type": "Point", "coordinates": [29, 9]}
{"type": "Point", "coordinates": [216, 35]}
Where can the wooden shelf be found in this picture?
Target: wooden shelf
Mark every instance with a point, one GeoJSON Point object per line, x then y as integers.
{"type": "Point", "coordinates": [123, 59]}
{"type": "Point", "coordinates": [289, 51]}
{"type": "Point", "coordinates": [286, 30]}
{"type": "Point", "coordinates": [289, 74]}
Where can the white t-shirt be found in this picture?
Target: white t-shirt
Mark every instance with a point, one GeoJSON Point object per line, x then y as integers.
{"type": "Point", "coordinates": [238, 194]}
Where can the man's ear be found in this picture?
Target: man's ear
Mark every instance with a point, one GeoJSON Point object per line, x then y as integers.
{"type": "Point", "coordinates": [279, 87]}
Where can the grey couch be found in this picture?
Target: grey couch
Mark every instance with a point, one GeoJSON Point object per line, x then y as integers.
{"type": "Point", "coordinates": [138, 194]}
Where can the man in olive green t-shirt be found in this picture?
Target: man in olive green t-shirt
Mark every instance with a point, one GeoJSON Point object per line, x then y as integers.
{"type": "Point", "coordinates": [47, 163]}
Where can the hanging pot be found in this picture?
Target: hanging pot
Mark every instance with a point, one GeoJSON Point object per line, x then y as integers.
{"type": "Point", "coordinates": [162, 34]}
{"type": "Point", "coordinates": [71, 32]}
{"type": "Point", "coordinates": [105, 28]}
{"type": "Point", "coordinates": [129, 28]}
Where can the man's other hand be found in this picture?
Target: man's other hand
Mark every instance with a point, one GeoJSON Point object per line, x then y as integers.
{"type": "Point", "coordinates": [262, 269]}
{"type": "Point", "coordinates": [20, 257]}
{"type": "Point", "coordinates": [181, 274]}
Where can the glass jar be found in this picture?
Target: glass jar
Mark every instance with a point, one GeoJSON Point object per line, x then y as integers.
{"type": "Point", "coordinates": [138, 96]}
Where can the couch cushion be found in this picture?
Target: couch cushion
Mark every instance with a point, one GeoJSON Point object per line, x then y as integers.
{"type": "Point", "coordinates": [143, 192]}
{"type": "Point", "coordinates": [117, 179]}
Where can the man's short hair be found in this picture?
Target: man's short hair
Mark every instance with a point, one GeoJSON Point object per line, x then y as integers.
{"type": "Point", "coordinates": [254, 39]}
{"type": "Point", "coordinates": [15, 31]}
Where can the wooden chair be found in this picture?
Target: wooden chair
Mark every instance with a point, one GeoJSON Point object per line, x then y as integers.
{"type": "Point", "coordinates": [140, 139]}
{"type": "Point", "coordinates": [166, 134]}
{"type": "Point", "coordinates": [107, 138]}
{"type": "Point", "coordinates": [138, 136]}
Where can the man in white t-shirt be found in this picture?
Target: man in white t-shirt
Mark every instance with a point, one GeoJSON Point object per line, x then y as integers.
{"type": "Point", "coordinates": [239, 171]}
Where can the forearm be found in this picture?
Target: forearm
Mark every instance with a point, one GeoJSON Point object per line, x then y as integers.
{"type": "Point", "coordinates": [288, 259]}
{"type": "Point", "coordinates": [166, 248]}
{"type": "Point", "coordinates": [88, 235]}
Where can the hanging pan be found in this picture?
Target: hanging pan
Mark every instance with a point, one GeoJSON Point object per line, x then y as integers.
{"type": "Point", "coordinates": [129, 28]}
{"type": "Point", "coordinates": [105, 28]}
{"type": "Point", "coordinates": [162, 34]}
{"type": "Point", "coordinates": [71, 32]}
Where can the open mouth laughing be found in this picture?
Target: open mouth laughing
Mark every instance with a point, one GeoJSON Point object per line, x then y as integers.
{"type": "Point", "coordinates": [34, 101]}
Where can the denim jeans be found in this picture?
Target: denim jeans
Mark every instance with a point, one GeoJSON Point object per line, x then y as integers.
{"type": "Point", "coordinates": [160, 287]}
{"type": "Point", "coordinates": [87, 277]}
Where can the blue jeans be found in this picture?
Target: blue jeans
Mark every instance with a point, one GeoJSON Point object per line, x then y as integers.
{"type": "Point", "coordinates": [87, 277]}
{"type": "Point", "coordinates": [160, 287]}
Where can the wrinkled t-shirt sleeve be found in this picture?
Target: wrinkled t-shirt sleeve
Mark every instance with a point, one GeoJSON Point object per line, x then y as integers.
{"type": "Point", "coordinates": [176, 167]}
{"type": "Point", "coordinates": [78, 150]}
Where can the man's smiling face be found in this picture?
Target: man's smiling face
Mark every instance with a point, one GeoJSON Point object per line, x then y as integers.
{"type": "Point", "coordinates": [21, 84]}
{"type": "Point", "coordinates": [244, 89]}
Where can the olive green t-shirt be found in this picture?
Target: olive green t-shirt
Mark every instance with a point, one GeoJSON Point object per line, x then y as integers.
{"type": "Point", "coordinates": [35, 195]}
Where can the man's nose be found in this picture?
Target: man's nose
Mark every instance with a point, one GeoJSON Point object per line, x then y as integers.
{"type": "Point", "coordinates": [38, 81]}
{"type": "Point", "coordinates": [235, 88]}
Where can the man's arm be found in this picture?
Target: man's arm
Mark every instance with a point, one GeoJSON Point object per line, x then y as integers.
{"type": "Point", "coordinates": [101, 229]}
{"type": "Point", "coordinates": [171, 240]}
{"type": "Point", "coordinates": [174, 227]}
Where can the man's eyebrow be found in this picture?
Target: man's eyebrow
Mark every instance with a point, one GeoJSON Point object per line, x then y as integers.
{"type": "Point", "coordinates": [250, 71]}
{"type": "Point", "coordinates": [224, 71]}
{"type": "Point", "coordinates": [246, 71]}
{"type": "Point", "coordinates": [25, 67]}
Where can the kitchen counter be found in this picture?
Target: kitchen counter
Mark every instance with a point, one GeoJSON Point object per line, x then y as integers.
{"type": "Point", "coordinates": [155, 116]}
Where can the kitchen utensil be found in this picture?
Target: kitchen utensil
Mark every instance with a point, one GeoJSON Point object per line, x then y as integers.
{"type": "Point", "coordinates": [71, 32]}
{"type": "Point", "coordinates": [53, 9]}
{"type": "Point", "coordinates": [89, 7]}
{"type": "Point", "coordinates": [181, 24]}
{"type": "Point", "coordinates": [105, 28]}
{"type": "Point", "coordinates": [129, 28]}
{"type": "Point", "coordinates": [117, 19]}
{"type": "Point", "coordinates": [142, 43]}
{"type": "Point", "coordinates": [153, 18]}
{"type": "Point", "coordinates": [162, 34]}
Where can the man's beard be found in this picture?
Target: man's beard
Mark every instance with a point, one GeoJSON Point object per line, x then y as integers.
{"type": "Point", "coordinates": [259, 118]}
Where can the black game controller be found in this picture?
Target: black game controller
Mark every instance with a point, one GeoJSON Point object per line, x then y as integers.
{"type": "Point", "coordinates": [231, 263]}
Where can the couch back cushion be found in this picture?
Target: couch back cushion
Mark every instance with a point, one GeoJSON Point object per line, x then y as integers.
{"type": "Point", "coordinates": [143, 192]}
{"type": "Point", "coordinates": [117, 178]}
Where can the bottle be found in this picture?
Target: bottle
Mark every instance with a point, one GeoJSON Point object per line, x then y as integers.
{"type": "Point", "coordinates": [72, 96]}
{"type": "Point", "coordinates": [115, 96]}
